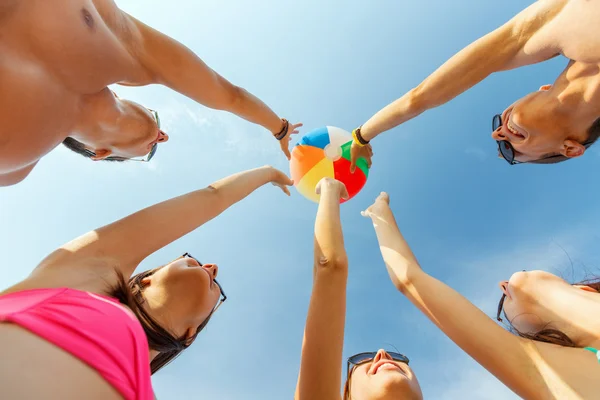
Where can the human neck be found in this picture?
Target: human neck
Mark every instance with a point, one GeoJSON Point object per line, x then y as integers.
{"type": "Point", "coordinates": [578, 321]}
{"type": "Point", "coordinates": [97, 118]}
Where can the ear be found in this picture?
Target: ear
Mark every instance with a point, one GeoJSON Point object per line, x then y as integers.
{"type": "Point", "coordinates": [572, 149]}
{"type": "Point", "coordinates": [101, 154]}
{"type": "Point", "coordinates": [190, 332]}
{"type": "Point", "coordinates": [545, 87]}
{"type": "Point", "coordinates": [585, 288]}
{"type": "Point", "coordinates": [146, 281]}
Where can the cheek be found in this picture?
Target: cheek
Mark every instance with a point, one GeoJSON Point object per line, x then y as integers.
{"type": "Point", "coordinates": [359, 383]}
{"type": "Point", "coordinates": [523, 317]}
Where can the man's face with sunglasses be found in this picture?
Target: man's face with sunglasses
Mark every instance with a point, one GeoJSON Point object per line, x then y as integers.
{"type": "Point", "coordinates": [541, 128]}
{"type": "Point", "coordinates": [382, 375]}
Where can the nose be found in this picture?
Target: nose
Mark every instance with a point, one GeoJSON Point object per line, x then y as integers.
{"type": "Point", "coordinates": [498, 135]}
{"type": "Point", "coordinates": [504, 287]}
{"type": "Point", "coordinates": [381, 354]}
{"type": "Point", "coordinates": [212, 269]}
{"type": "Point", "coordinates": [162, 137]}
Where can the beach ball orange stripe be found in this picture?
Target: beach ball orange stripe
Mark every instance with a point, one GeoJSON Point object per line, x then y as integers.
{"type": "Point", "coordinates": [325, 152]}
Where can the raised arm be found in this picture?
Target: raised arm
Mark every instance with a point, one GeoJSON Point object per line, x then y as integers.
{"type": "Point", "coordinates": [507, 47]}
{"type": "Point", "coordinates": [126, 242]}
{"type": "Point", "coordinates": [533, 370]}
{"type": "Point", "coordinates": [321, 365]}
{"type": "Point", "coordinates": [168, 62]}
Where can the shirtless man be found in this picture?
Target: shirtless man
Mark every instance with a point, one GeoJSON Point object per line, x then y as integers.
{"type": "Point", "coordinates": [554, 124]}
{"type": "Point", "coordinates": [57, 59]}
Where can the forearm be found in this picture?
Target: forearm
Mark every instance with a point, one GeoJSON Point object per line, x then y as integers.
{"type": "Point", "coordinates": [464, 70]}
{"type": "Point", "coordinates": [329, 239]}
{"type": "Point", "coordinates": [172, 64]}
{"type": "Point", "coordinates": [131, 239]}
{"type": "Point", "coordinates": [397, 254]}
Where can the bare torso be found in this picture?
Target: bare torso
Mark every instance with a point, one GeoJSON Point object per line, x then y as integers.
{"type": "Point", "coordinates": [56, 373]}
{"type": "Point", "coordinates": [52, 55]}
{"type": "Point", "coordinates": [575, 31]}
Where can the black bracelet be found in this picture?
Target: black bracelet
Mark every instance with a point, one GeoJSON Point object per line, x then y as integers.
{"type": "Point", "coordinates": [284, 130]}
{"type": "Point", "coordinates": [361, 140]}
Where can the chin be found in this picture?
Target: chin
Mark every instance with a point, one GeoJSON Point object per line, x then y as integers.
{"type": "Point", "coordinates": [398, 386]}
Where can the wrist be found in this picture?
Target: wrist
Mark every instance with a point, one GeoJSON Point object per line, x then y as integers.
{"type": "Point", "coordinates": [282, 129]}
{"type": "Point", "coordinates": [358, 137]}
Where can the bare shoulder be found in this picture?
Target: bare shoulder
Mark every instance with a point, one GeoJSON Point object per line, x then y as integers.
{"type": "Point", "coordinates": [92, 274]}
{"type": "Point", "coordinates": [568, 373]}
{"type": "Point", "coordinates": [129, 32]}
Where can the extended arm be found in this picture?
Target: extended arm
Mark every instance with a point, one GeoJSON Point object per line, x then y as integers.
{"type": "Point", "coordinates": [126, 242]}
{"type": "Point", "coordinates": [508, 357]}
{"type": "Point", "coordinates": [170, 63]}
{"type": "Point", "coordinates": [504, 48]}
{"type": "Point", "coordinates": [320, 367]}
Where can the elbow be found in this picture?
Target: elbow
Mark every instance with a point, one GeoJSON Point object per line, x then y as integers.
{"type": "Point", "coordinates": [416, 101]}
{"type": "Point", "coordinates": [233, 98]}
{"type": "Point", "coordinates": [334, 262]}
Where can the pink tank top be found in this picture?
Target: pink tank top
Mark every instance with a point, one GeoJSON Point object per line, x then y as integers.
{"type": "Point", "coordinates": [96, 329]}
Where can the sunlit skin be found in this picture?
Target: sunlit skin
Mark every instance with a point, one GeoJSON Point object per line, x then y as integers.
{"type": "Point", "coordinates": [554, 121]}
{"type": "Point", "coordinates": [529, 307]}
{"type": "Point", "coordinates": [384, 379]}
{"type": "Point", "coordinates": [57, 60]}
{"type": "Point", "coordinates": [532, 369]}
{"type": "Point", "coordinates": [179, 295]}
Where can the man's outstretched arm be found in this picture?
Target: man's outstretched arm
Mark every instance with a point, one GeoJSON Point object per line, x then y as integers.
{"type": "Point", "coordinates": [167, 62]}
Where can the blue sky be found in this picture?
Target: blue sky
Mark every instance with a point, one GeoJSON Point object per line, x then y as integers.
{"type": "Point", "coordinates": [471, 219]}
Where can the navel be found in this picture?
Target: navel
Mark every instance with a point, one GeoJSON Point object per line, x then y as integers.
{"type": "Point", "coordinates": [87, 17]}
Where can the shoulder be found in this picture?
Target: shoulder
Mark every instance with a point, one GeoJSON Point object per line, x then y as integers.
{"type": "Point", "coordinates": [567, 372]}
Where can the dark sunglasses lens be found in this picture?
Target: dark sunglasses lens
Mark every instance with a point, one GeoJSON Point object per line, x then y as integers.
{"type": "Point", "coordinates": [398, 357]}
{"type": "Point", "coordinates": [153, 151]}
{"type": "Point", "coordinates": [157, 119]}
{"type": "Point", "coordinates": [506, 151]}
{"type": "Point", "coordinates": [496, 122]}
{"type": "Point", "coordinates": [362, 357]}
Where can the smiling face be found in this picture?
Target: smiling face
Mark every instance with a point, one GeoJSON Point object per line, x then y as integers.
{"type": "Point", "coordinates": [383, 379]}
{"type": "Point", "coordinates": [543, 124]}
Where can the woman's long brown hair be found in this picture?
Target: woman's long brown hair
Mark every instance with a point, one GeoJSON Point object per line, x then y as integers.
{"type": "Point", "coordinates": [159, 339]}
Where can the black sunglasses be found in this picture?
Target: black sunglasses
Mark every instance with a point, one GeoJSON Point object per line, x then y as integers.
{"type": "Point", "coordinates": [362, 358]}
{"type": "Point", "coordinates": [145, 158]}
{"type": "Point", "coordinates": [507, 151]}
{"type": "Point", "coordinates": [223, 295]}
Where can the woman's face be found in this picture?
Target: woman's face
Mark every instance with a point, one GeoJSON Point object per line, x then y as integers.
{"type": "Point", "coordinates": [183, 293]}
{"type": "Point", "coordinates": [534, 299]}
{"type": "Point", "coordinates": [384, 379]}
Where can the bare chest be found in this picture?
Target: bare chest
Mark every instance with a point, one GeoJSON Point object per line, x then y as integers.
{"type": "Point", "coordinates": [79, 44]}
{"type": "Point", "coordinates": [577, 30]}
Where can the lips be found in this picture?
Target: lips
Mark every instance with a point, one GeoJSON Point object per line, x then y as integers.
{"type": "Point", "coordinates": [511, 130]}
{"type": "Point", "coordinates": [386, 365]}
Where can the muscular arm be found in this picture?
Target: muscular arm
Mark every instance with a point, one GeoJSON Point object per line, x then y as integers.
{"type": "Point", "coordinates": [533, 370]}
{"type": "Point", "coordinates": [505, 48]}
{"type": "Point", "coordinates": [168, 62]}
{"type": "Point", "coordinates": [126, 242]}
{"type": "Point", "coordinates": [320, 367]}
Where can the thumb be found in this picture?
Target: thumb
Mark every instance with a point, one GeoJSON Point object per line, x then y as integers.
{"type": "Point", "coordinates": [352, 164]}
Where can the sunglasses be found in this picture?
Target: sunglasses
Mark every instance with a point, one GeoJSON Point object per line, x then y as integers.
{"type": "Point", "coordinates": [223, 295]}
{"type": "Point", "coordinates": [507, 151]}
{"type": "Point", "coordinates": [361, 358]}
{"type": "Point", "coordinates": [145, 158]}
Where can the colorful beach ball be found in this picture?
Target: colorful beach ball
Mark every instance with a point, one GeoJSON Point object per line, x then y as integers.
{"type": "Point", "coordinates": [325, 152]}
